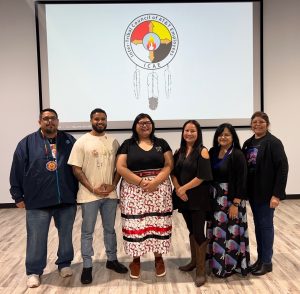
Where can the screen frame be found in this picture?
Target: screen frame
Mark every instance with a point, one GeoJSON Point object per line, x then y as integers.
{"type": "Point", "coordinates": [162, 125]}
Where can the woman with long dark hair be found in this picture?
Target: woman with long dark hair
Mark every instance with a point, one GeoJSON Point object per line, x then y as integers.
{"type": "Point", "coordinates": [145, 163]}
{"type": "Point", "coordinates": [228, 228]}
{"type": "Point", "coordinates": [191, 176]}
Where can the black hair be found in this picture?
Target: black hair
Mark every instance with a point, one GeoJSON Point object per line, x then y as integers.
{"type": "Point", "coordinates": [97, 110]}
{"type": "Point", "coordinates": [135, 135]}
{"type": "Point", "coordinates": [198, 144]}
{"type": "Point", "coordinates": [220, 130]}
{"type": "Point", "coordinates": [48, 109]}
{"type": "Point", "coordinates": [199, 141]}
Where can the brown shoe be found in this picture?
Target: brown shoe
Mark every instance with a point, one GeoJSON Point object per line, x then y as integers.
{"type": "Point", "coordinates": [135, 268]}
{"type": "Point", "coordinates": [192, 264]}
{"type": "Point", "coordinates": [160, 270]}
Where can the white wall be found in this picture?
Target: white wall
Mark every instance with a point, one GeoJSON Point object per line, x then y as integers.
{"type": "Point", "coordinates": [19, 82]}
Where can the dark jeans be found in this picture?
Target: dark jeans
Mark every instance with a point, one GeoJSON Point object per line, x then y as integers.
{"type": "Point", "coordinates": [264, 230]}
{"type": "Point", "coordinates": [37, 224]}
{"type": "Point", "coordinates": [195, 221]}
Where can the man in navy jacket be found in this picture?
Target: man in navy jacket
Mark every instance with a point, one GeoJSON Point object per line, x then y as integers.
{"type": "Point", "coordinates": [43, 183]}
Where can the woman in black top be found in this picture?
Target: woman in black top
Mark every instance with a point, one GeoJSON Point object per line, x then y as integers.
{"type": "Point", "coordinates": [228, 229]}
{"type": "Point", "coordinates": [190, 178]}
{"type": "Point", "coordinates": [267, 177]}
{"type": "Point", "coordinates": [145, 163]}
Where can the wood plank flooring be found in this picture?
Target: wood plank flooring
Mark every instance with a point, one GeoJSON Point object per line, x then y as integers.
{"type": "Point", "coordinates": [285, 277]}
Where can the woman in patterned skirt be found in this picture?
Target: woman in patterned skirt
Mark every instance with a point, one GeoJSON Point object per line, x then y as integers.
{"type": "Point", "coordinates": [145, 163]}
{"type": "Point", "coordinates": [228, 229]}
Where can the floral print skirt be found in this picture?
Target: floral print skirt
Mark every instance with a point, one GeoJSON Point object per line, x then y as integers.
{"type": "Point", "coordinates": [228, 249]}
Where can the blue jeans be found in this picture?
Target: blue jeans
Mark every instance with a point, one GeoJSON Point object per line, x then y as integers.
{"type": "Point", "coordinates": [264, 230]}
{"type": "Point", "coordinates": [107, 209]}
{"type": "Point", "coordinates": [37, 225]}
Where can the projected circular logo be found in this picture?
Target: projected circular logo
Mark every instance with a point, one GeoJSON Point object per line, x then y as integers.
{"type": "Point", "coordinates": [151, 41]}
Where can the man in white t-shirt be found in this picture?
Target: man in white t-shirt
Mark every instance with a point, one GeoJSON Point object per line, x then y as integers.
{"type": "Point", "coordinates": [93, 160]}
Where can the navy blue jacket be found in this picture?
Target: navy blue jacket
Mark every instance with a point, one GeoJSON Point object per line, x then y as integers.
{"type": "Point", "coordinates": [271, 170]}
{"type": "Point", "coordinates": [32, 183]}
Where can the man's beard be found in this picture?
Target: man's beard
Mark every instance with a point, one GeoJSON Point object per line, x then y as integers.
{"type": "Point", "coordinates": [50, 130]}
{"type": "Point", "coordinates": [99, 130]}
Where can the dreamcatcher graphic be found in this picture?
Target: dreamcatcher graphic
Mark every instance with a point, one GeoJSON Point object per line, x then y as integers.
{"type": "Point", "coordinates": [151, 43]}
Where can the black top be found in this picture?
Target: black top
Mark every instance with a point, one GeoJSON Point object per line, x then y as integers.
{"type": "Point", "coordinates": [186, 169]}
{"type": "Point", "coordinates": [271, 169]}
{"type": "Point", "coordinates": [139, 159]}
{"type": "Point", "coordinates": [231, 170]}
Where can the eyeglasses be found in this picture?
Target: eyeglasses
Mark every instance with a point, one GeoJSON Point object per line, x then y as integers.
{"type": "Point", "coordinates": [144, 123]}
{"type": "Point", "coordinates": [48, 118]}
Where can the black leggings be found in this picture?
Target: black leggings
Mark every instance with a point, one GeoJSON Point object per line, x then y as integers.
{"type": "Point", "coordinates": [195, 221]}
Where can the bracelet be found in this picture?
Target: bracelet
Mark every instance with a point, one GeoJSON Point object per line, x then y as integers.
{"type": "Point", "coordinates": [140, 182]}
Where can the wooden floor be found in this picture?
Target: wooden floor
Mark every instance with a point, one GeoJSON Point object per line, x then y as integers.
{"type": "Point", "coordinates": [285, 277]}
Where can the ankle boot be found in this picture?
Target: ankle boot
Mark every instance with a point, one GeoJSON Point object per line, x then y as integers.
{"type": "Point", "coordinates": [192, 264]}
{"type": "Point", "coordinates": [135, 268]}
{"type": "Point", "coordinates": [200, 263]}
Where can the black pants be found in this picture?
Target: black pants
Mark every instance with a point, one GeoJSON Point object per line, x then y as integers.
{"type": "Point", "coordinates": [195, 221]}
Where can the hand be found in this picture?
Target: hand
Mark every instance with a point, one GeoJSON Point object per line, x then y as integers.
{"type": "Point", "coordinates": [107, 188]}
{"type": "Point", "coordinates": [180, 191]}
{"type": "Point", "coordinates": [149, 186]}
{"type": "Point", "coordinates": [102, 190]}
{"type": "Point", "coordinates": [184, 197]}
{"type": "Point", "coordinates": [20, 204]}
{"type": "Point", "coordinates": [274, 202]}
{"type": "Point", "coordinates": [233, 211]}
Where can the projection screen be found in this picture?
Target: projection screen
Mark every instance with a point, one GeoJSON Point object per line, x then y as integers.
{"type": "Point", "coordinates": [174, 61]}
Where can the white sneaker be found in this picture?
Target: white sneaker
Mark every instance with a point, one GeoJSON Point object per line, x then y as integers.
{"type": "Point", "coordinates": [66, 272]}
{"type": "Point", "coordinates": [33, 281]}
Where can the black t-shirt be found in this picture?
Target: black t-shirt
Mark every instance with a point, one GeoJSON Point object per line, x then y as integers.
{"type": "Point", "coordinates": [251, 156]}
{"type": "Point", "coordinates": [139, 159]}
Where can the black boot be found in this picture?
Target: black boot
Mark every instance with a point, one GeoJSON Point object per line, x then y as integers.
{"type": "Point", "coordinates": [192, 264]}
{"type": "Point", "coordinates": [263, 269]}
{"type": "Point", "coordinates": [86, 276]}
{"type": "Point", "coordinates": [200, 263]}
{"type": "Point", "coordinates": [253, 267]}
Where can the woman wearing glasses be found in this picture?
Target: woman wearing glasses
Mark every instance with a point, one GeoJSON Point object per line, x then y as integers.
{"type": "Point", "coordinates": [228, 228]}
{"type": "Point", "coordinates": [190, 178]}
{"type": "Point", "coordinates": [145, 162]}
{"type": "Point", "coordinates": [267, 177]}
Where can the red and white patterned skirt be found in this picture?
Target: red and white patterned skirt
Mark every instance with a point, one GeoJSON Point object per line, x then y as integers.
{"type": "Point", "coordinates": [146, 216]}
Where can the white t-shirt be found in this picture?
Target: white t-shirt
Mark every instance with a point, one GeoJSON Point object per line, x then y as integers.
{"type": "Point", "coordinates": [96, 155]}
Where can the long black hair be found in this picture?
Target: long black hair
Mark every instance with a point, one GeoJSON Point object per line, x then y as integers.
{"type": "Point", "coordinates": [220, 129]}
{"type": "Point", "coordinates": [135, 135]}
{"type": "Point", "coordinates": [198, 143]}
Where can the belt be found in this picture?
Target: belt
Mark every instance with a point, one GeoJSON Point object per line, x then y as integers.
{"type": "Point", "coordinates": [147, 173]}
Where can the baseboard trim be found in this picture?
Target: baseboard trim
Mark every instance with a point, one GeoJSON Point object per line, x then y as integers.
{"type": "Point", "coordinates": [293, 196]}
{"type": "Point", "coordinates": [8, 205]}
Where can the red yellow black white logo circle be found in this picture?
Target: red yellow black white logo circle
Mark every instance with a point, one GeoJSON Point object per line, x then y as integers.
{"type": "Point", "coordinates": [51, 165]}
{"type": "Point", "coordinates": [151, 41]}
